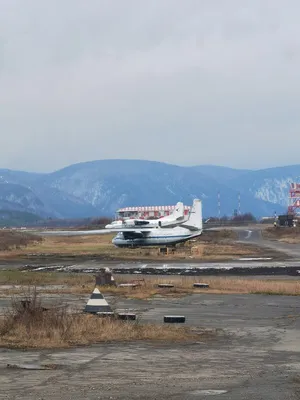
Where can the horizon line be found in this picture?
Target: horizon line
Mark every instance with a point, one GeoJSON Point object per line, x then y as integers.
{"type": "Point", "coordinates": [149, 161]}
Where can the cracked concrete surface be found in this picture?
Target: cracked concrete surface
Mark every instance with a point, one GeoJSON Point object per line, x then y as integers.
{"type": "Point", "coordinates": [254, 355]}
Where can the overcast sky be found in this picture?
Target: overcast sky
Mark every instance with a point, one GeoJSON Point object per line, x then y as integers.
{"type": "Point", "coordinates": [182, 81]}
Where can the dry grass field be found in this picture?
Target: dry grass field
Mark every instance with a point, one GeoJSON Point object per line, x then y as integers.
{"type": "Point", "coordinates": [210, 246]}
{"type": "Point", "coordinates": [34, 327]}
{"type": "Point", "coordinates": [15, 282]}
{"type": "Point", "coordinates": [287, 235]}
{"type": "Point", "coordinates": [15, 240]}
{"type": "Point", "coordinates": [54, 331]}
{"type": "Point", "coordinates": [56, 327]}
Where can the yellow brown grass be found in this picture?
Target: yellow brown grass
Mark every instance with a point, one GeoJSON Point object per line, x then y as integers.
{"type": "Point", "coordinates": [66, 245]}
{"type": "Point", "coordinates": [283, 234]}
{"type": "Point", "coordinates": [85, 283]}
{"type": "Point", "coordinates": [31, 278]}
{"type": "Point", "coordinates": [80, 329]}
{"type": "Point", "coordinates": [217, 285]}
{"type": "Point", "coordinates": [35, 327]}
{"type": "Point", "coordinates": [14, 240]}
{"type": "Point", "coordinates": [254, 286]}
{"type": "Point", "coordinates": [205, 248]}
{"type": "Point", "coordinates": [217, 236]}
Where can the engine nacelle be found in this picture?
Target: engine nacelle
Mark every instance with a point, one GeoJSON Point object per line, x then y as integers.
{"type": "Point", "coordinates": [114, 224]}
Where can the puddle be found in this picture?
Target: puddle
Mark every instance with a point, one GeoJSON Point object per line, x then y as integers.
{"type": "Point", "coordinates": [254, 258]}
{"type": "Point", "coordinates": [208, 392]}
{"type": "Point", "coordinates": [33, 366]}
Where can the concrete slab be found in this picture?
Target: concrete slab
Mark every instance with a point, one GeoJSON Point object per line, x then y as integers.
{"type": "Point", "coordinates": [255, 355]}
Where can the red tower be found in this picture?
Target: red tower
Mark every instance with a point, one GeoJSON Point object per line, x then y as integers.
{"type": "Point", "coordinates": [294, 199]}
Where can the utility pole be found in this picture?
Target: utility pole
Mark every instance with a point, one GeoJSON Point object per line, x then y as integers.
{"type": "Point", "coordinates": [219, 205]}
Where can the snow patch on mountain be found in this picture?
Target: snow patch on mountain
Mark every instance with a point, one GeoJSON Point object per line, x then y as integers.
{"type": "Point", "coordinates": [274, 191]}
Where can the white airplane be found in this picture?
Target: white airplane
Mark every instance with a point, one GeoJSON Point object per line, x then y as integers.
{"type": "Point", "coordinates": [169, 220]}
{"type": "Point", "coordinates": [158, 236]}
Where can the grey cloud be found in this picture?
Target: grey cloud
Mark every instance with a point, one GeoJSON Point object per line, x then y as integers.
{"type": "Point", "coordinates": [185, 82]}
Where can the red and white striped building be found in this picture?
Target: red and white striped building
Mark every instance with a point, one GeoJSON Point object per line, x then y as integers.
{"type": "Point", "coordinates": [147, 212]}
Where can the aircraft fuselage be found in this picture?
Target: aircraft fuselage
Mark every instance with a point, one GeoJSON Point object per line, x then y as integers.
{"type": "Point", "coordinates": [155, 237]}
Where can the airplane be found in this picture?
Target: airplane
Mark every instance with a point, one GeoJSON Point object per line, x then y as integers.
{"type": "Point", "coordinates": [159, 236]}
{"type": "Point", "coordinates": [169, 220]}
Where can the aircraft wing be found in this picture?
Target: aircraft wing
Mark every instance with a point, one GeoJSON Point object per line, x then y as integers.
{"type": "Point", "coordinates": [142, 231]}
{"type": "Point", "coordinates": [70, 233]}
{"type": "Point", "coordinates": [133, 229]}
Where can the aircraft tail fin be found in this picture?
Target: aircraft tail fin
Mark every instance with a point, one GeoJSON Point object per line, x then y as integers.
{"type": "Point", "coordinates": [194, 221]}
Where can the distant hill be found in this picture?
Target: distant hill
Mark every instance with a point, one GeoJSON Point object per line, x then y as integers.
{"type": "Point", "coordinates": [10, 218]}
{"type": "Point", "coordinates": [99, 188]}
{"type": "Point", "coordinates": [271, 185]}
{"type": "Point", "coordinates": [220, 174]}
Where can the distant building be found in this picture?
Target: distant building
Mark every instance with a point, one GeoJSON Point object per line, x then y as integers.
{"type": "Point", "coordinates": [286, 220]}
{"type": "Point", "coordinates": [268, 220]}
{"type": "Point", "coordinates": [147, 212]}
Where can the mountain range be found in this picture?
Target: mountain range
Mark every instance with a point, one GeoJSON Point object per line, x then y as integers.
{"type": "Point", "coordinates": [99, 188]}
